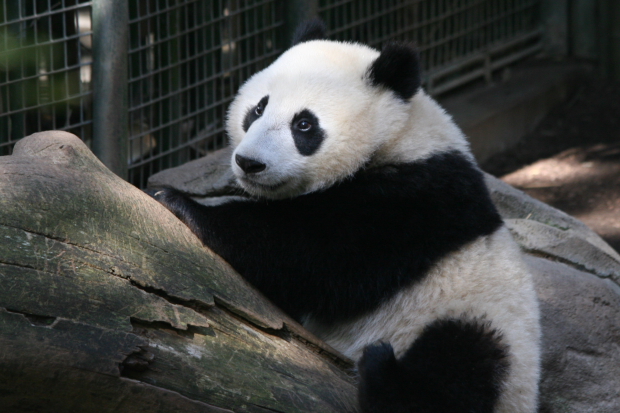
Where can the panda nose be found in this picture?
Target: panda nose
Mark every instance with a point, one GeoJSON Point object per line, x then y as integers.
{"type": "Point", "coordinates": [249, 166]}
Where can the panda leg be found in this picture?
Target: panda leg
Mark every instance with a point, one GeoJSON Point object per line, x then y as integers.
{"type": "Point", "coordinates": [454, 366]}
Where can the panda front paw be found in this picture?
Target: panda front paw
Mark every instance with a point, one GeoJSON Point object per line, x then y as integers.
{"type": "Point", "coordinates": [183, 207]}
{"type": "Point", "coordinates": [164, 195]}
{"type": "Point", "coordinates": [161, 193]}
{"type": "Point", "coordinates": [174, 200]}
{"type": "Point", "coordinates": [153, 192]}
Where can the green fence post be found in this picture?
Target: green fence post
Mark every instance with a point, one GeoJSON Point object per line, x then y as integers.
{"type": "Point", "coordinates": [110, 43]}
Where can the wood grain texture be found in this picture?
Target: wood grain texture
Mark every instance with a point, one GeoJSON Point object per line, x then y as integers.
{"type": "Point", "coordinates": [109, 303]}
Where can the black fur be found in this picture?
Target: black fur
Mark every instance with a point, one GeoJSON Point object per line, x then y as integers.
{"type": "Point", "coordinates": [339, 253]}
{"type": "Point", "coordinates": [398, 69]}
{"type": "Point", "coordinates": [455, 366]}
{"type": "Point", "coordinates": [307, 142]}
{"type": "Point", "coordinates": [251, 115]}
{"type": "Point", "coordinates": [313, 29]}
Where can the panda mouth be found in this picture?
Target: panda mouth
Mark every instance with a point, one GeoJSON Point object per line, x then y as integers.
{"type": "Point", "coordinates": [265, 187]}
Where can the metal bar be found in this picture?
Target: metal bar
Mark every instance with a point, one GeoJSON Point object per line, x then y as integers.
{"type": "Point", "coordinates": [47, 73]}
{"type": "Point", "coordinates": [478, 73]}
{"type": "Point", "coordinates": [49, 41]}
{"type": "Point", "coordinates": [35, 16]}
{"type": "Point", "coordinates": [203, 81]}
{"type": "Point", "coordinates": [43, 105]}
{"type": "Point", "coordinates": [470, 29]}
{"type": "Point", "coordinates": [479, 56]}
{"type": "Point", "coordinates": [197, 55]}
{"type": "Point", "coordinates": [110, 43]}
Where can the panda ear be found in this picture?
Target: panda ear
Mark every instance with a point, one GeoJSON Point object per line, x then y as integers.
{"type": "Point", "coordinates": [313, 29]}
{"type": "Point", "coordinates": [398, 69]}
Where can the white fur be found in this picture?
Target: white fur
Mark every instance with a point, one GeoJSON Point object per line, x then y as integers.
{"type": "Point", "coordinates": [485, 280]}
{"type": "Point", "coordinates": [364, 124]}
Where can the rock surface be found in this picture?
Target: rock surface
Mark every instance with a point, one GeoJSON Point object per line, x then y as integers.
{"type": "Point", "coordinates": [581, 336]}
{"type": "Point", "coordinates": [208, 176]}
{"type": "Point", "coordinates": [577, 276]}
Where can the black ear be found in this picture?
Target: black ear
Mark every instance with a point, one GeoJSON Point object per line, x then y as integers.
{"type": "Point", "coordinates": [398, 69]}
{"type": "Point", "coordinates": [313, 29]}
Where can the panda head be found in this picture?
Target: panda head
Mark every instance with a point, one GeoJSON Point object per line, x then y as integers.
{"type": "Point", "coordinates": [319, 113]}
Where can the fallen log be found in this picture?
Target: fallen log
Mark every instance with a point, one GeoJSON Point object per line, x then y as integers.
{"type": "Point", "coordinates": [109, 303]}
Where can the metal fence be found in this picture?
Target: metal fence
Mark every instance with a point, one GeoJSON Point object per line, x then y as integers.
{"type": "Point", "coordinates": [186, 59]}
{"type": "Point", "coordinates": [45, 68]}
{"type": "Point", "coordinates": [459, 40]}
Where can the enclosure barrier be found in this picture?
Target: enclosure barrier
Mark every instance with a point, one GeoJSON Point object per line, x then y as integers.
{"type": "Point", "coordinates": [185, 59]}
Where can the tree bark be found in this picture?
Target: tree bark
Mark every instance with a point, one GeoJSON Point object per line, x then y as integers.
{"type": "Point", "coordinates": [109, 303]}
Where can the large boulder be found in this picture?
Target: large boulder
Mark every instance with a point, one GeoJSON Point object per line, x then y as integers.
{"type": "Point", "coordinates": [577, 277]}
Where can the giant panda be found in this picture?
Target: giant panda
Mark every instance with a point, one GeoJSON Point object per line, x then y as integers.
{"type": "Point", "coordinates": [371, 225]}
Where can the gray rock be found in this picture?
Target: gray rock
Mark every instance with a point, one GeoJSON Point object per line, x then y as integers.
{"type": "Point", "coordinates": [516, 204]}
{"type": "Point", "coordinates": [204, 177]}
{"type": "Point", "coordinates": [581, 339]}
{"type": "Point", "coordinates": [566, 245]}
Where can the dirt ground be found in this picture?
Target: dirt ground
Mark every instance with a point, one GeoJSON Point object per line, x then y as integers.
{"type": "Point", "coordinates": [572, 160]}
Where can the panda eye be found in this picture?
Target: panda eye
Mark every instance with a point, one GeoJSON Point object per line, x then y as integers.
{"type": "Point", "coordinates": [303, 125]}
{"type": "Point", "coordinates": [259, 109]}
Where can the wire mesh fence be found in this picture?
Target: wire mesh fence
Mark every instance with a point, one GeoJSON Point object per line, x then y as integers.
{"type": "Point", "coordinates": [186, 61]}
{"type": "Point", "coordinates": [45, 68]}
{"type": "Point", "coordinates": [459, 40]}
{"type": "Point", "coordinates": [187, 58]}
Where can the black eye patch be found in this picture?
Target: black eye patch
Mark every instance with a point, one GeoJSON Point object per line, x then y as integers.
{"type": "Point", "coordinates": [254, 113]}
{"type": "Point", "coordinates": [307, 132]}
